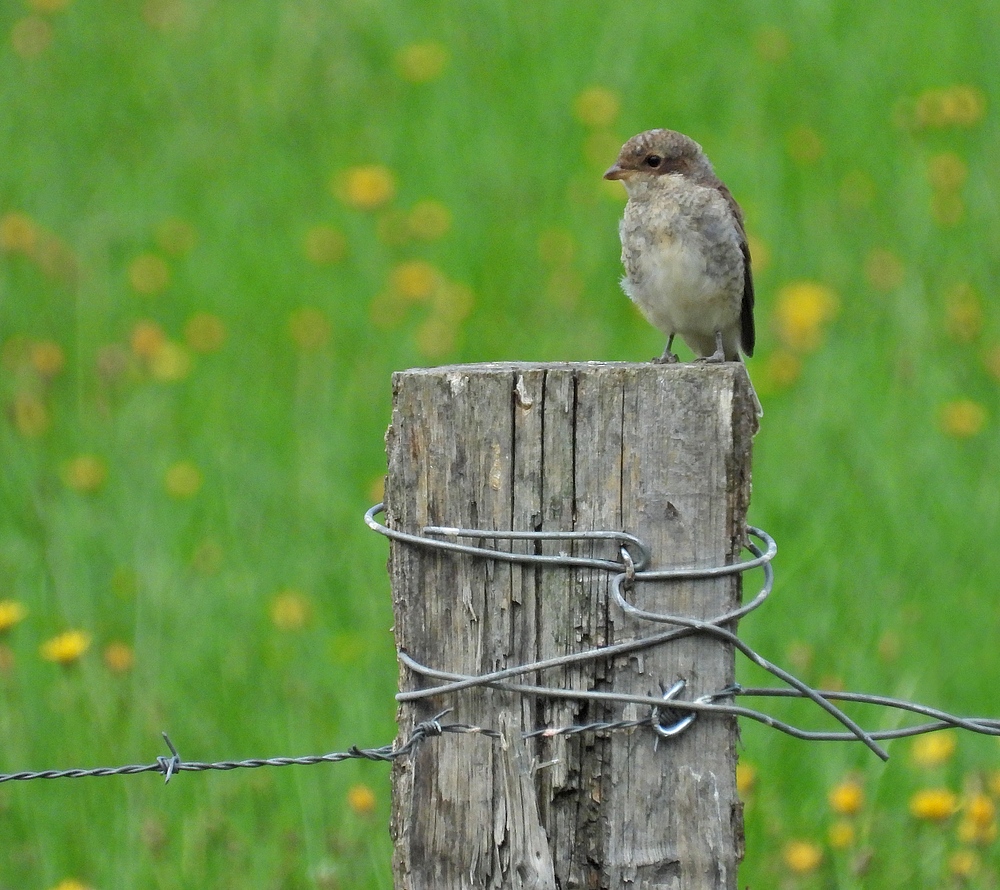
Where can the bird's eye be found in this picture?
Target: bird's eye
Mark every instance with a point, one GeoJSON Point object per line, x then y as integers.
{"type": "Point", "coordinates": [653, 161]}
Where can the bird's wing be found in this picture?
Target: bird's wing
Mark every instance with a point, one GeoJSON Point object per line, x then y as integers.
{"type": "Point", "coordinates": [748, 334]}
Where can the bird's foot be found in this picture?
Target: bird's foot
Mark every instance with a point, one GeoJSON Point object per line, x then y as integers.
{"type": "Point", "coordinates": [716, 357]}
{"type": "Point", "coordinates": [668, 358]}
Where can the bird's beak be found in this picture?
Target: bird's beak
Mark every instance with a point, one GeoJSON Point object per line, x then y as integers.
{"type": "Point", "coordinates": [614, 172]}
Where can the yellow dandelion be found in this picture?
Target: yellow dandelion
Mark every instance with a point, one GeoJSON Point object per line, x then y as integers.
{"type": "Point", "coordinates": [947, 209]}
{"type": "Point", "coordinates": [65, 648]}
{"type": "Point", "coordinates": [802, 857]}
{"type": "Point", "coordinates": [18, 233]}
{"type": "Point", "coordinates": [47, 358]}
{"type": "Point", "coordinates": [366, 187]}
{"type": "Point", "coordinates": [30, 36]}
{"type": "Point", "coordinates": [11, 612]}
{"type": "Point", "coordinates": [967, 105]}
{"type": "Point", "coordinates": [48, 6]}
{"type": "Point", "coordinates": [415, 280]}
{"type": "Point", "coordinates": [422, 62]}
{"type": "Point", "coordinates": [933, 804]}
{"type": "Point", "coordinates": [85, 473]}
{"type": "Point", "coordinates": [964, 309]}
{"type": "Point", "coordinates": [884, 270]}
{"type": "Point", "coordinates": [933, 749]}
{"type": "Point", "coordinates": [30, 416]}
{"type": "Point", "coordinates": [746, 778]}
{"type": "Point", "coordinates": [805, 145]}
{"type": "Point", "coordinates": [119, 657]}
{"type": "Point", "coordinates": [310, 329]}
{"type": "Point", "coordinates": [803, 308]}
{"type": "Point", "coordinates": [970, 832]}
{"type": "Point", "coordinates": [171, 362]}
{"type": "Point", "coordinates": [147, 338]}
{"type": "Point", "coordinates": [962, 418]}
{"type": "Point", "coordinates": [176, 237]}
{"type": "Point", "coordinates": [428, 220]}
{"type": "Point", "coordinates": [963, 863]}
{"type": "Point", "coordinates": [847, 798]}
{"type": "Point", "coordinates": [596, 107]}
{"type": "Point", "coordinates": [841, 834]}
{"type": "Point", "coordinates": [149, 274]}
{"type": "Point", "coordinates": [435, 337]}
{"type": "Point", "coordinates": [207, 557]}
{"type": "Point", "coordinates": [205, 332]}
{"type": "Point", "coordinates": [980, 810]}
{"type": "Point", "coordinates": [772, 44]}
{"type": "Point", "coordinates": [361, 799]}
{"type": "Point", "coordinates": [290, 610]}
{"type": "Point", "coordinates": [324, 245]}
{"type": "Point", "coordinates": [376, 490]}
{"type": "Point", "coordinates": [947, 171]}
{"type": "Point", "coordinates": [183, 480]}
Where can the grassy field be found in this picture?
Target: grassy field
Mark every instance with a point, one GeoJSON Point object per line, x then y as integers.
{"type": "Point", "coordinates": [222, 227]}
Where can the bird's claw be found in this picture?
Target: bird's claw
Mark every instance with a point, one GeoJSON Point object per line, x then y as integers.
{"type": "Point", "coordinates": [668, 358]}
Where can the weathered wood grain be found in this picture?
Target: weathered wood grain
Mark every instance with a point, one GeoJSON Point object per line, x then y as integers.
{"type": "Point", "coordinates": [660, 451]}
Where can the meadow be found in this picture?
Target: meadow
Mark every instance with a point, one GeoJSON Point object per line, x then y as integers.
{"type": "Point", "coordinates": [223, 226]}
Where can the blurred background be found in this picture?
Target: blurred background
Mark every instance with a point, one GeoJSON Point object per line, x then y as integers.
{"type": "Point", "coordinates": [223, 226]}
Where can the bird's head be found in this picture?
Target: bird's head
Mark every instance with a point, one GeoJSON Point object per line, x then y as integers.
{"type": "Point", "coordinates": [646, 158]}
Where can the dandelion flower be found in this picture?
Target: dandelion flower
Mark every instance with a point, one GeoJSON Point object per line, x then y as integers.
{"type": "Point", "coordinates": [171, 362]}
{"type": "Point", "coordinates": [847, 798]}
{"type": "Point", "coordinates": [933, 804]}
{"type": "Point", "coordinates": [963, 863]}
{"type": "Point", "coordinates": [183, 480]}
{"type": "Point", "coordinates": [30, 36]}
{"type": "Point", "coordinates": [66, 648]}
{"type": "Point", "coordinates": [933, 749]}
{"type": "Point", "coordinates": [47, 358]}
{"type": "Point", "coordinates": [746, 778]}
{"type": "Point", "coordinates": [119, 657]}
{"type": "Point", "coordinates": [176, 237]}
{"type": "Point", "coordinates": [428, 220]}
{"type": "Point", "coordinates": [841, 834]}
{"type": "Point", "coordinates": [361, 799]}
{"type": "Point", "coordinates": [18, 233]}
{"type": "Point", "coordinates": [422, 62]}
{"type": "Point", "coordinates": [962, 418]}
{"type": "Point", "coordinates": [803, 308]}
{"type": "Point", "coordinates": [85, 473]}
{"type": "Point", "coordinates": [290, 610]}
{"type": "Point", "coordinates": [147, 339]}
{"type": "Point", "coordinates": [415, 279]}
{"type": "Point", "coordinates": [367, 187]}
{"type": "Point", "coordinates": [11, 612]}
{"type": "Point", "coordinates": [596, 107]}
{"type": "Point", "coordinates": [884, 270]}
{"type": "Point", "coordinates": [802, 857]}
{"type": "Point", "coordinates": [149, 274]}
{"type": "Point", "coordinates": [31, 417]}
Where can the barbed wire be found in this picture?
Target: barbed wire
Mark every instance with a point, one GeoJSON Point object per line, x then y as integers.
{"type": "Point", "coordinates": [668, 714]}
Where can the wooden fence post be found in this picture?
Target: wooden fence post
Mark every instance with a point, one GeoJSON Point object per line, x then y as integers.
{"type": "Point", "coordinates": [659, 451]}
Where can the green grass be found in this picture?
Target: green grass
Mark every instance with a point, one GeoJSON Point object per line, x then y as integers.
{"type": "Point", "coordinates": [235, 119]}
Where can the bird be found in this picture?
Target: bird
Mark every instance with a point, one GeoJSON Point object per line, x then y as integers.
{"type": "Point", "coordinates": [684, 248]}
